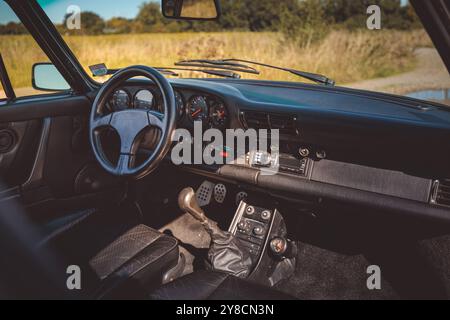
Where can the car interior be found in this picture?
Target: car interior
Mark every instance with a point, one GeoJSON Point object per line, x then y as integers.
{"type": "Point", "coordinates": [87, 180]}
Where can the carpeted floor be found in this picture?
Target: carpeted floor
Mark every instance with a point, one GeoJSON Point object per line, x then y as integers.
{"type": "Point", "coordinates": [419, 271]}
{"type": "Point", "coordinates": [322, 274]}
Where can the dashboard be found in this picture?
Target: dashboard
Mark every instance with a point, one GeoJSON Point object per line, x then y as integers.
{"type": "Point", "coordinates": [337, 143]}
{"type": "Point", "coordinates": [192, 106]}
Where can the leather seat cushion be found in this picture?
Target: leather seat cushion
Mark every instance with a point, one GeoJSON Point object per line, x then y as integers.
{"type": "Point", "coordinates": [206, 285]}
{"type": "Point", "coordinates": [118, 256]}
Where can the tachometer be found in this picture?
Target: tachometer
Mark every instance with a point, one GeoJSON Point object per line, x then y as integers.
{"type": "Point", "coordinates": [198, 109]}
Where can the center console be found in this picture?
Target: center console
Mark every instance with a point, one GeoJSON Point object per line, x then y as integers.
{"type": "Point", "coordinates": [251, 225]}
{"type": "Point", "coordinates": [263, 232]}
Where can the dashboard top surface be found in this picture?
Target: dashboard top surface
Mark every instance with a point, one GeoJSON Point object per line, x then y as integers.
{"type": "Point", "coordinates": [321, 100]}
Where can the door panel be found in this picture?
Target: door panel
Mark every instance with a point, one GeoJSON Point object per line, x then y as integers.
{"type": "Point", "coordinates": [18, 145]}
{"type": "Point", "coordinates": [50, 164]}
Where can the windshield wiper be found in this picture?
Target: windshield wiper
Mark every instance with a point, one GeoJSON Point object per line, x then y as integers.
{"type": "Point", "coordinates": [219, 73]}
{"type": "Point", "coordinates": [170, 72]}
{"type": "Point", "coordinates": [237, 65]}
{"type": "Point", "coordinates": [217, 64]}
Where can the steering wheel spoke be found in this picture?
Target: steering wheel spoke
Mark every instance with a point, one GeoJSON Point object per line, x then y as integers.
{"type": "Point", "coordinates": [102, 121]}
{"type": "Point", "coordinates": [155, 119]}
{"type": "Point", "coordinates": [123, 164]}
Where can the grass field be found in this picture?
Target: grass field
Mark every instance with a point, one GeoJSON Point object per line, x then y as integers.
{"type": "Point", "coordinates": [343, 56]}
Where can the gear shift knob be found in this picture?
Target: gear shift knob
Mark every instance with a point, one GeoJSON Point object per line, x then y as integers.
{"type": "Point", "coordinates": [187, 202]}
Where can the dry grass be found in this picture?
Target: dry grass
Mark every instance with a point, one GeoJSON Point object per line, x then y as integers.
{"type": "Point", "coordinates": [342, 55]}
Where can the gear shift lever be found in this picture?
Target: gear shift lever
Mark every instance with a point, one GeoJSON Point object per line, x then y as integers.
{"type": "Point", "coordinates": [226, 253]}
{"type": "Point", "coordinates": [188, 202]}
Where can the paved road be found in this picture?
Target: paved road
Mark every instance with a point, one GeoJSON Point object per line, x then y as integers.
{"type": "Point", "coordinates": [430, 73]}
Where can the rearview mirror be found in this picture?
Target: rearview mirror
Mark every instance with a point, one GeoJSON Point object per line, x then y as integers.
{"type": "Point", "coordinates": [46, 77]}
{"type": "Point", "coordinates": [191, 9]}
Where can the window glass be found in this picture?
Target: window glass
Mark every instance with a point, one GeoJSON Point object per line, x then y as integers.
{"type": "Point", "coordinates": [377, 45]}
{"type": "Point", "coordinates": [19, 51]}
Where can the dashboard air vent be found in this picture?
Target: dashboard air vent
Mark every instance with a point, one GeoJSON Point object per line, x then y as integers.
{"type": "Point", "coordinates": [256, 120]}
{"type": "Point", "coordinates": [259, 120]}
{"type": "Point", "coordinates": [441, 193]}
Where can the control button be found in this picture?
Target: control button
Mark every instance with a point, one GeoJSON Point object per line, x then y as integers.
{"type": "Point", "coordinates": [321, 154]}
{"type": "Point", "coordinates": [250, 210]}
{"type": "Point", "coordinates": [304, 152]}
{"type": "Point", "coordinates": [266, 215]}
{"type": "Point", "coordinates": [278, 246]}
{"type": "Point", "coordinates": [242, 225]}
{"type": "Point", "coordinates": [259, 231]}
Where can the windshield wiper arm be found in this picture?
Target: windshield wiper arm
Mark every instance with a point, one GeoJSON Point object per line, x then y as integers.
{"type": "Point", "coordinates": [237, 65]}
{"type": "Point", "coordinates": [307, 75]}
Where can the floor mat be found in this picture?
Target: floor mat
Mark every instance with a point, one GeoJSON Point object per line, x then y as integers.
{"type": "Point", "coordinates": [325, 275]}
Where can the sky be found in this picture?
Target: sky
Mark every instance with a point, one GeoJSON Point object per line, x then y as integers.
{"type": "Point", "coordinates": [56, 9]}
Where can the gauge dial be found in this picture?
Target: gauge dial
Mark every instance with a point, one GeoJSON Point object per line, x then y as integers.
{"type": "Point", "coordinates": [120, 100]}
{"type": "Point", "coordinates": [144, 99]}
{"type": "Point", "coordinates": [180, 103]}
{"type": "Point", "coordinates": [218, 114]}
{"type": "Point", "coordinates": [198, 109]}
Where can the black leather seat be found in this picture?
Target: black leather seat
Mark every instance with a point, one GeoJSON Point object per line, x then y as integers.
{"type": "Point", "coordinates": [118, 256]}
{"type": "Point", "coordinates": [206, 285]}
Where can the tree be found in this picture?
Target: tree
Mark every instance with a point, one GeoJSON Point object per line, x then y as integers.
{"type": "Point", "coordinates": [305, 22]}
{"type": "Point", "coordinates": [118, 25]}
{"type": "Point", "coordinates": [149, 18]}
{"type": "Point", "coordinates": [13, 28]}
{"type": "Point", "coordinates": [91, 24]}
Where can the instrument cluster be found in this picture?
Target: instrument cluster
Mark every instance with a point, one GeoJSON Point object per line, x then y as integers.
{"type": "Point", "coordinates": [142, 98]}
{"type": "Point", "coordinates": [192, 107]}
{"type": "Point", "coordinates": [209, 110]}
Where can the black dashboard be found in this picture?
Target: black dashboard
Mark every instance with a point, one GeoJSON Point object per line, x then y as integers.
{"type": "Point", "coordinates": [381, 149]}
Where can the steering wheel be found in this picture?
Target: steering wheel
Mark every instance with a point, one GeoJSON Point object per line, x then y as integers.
{"type": "Point", "coordinates": [130, 123]}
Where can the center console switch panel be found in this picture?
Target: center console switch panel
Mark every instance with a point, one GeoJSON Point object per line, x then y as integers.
{"type": "Point", "coordinates": [256, 228]}
{"type": "Point", "coordinates": [251, 225]}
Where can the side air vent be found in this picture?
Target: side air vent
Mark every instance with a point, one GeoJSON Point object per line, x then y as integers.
{"type": "Point", "coordinates": [259, 120]}
{"type": "Point", "coordinates": [441, 193]}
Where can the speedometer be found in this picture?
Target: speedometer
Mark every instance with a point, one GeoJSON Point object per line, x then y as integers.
{"type": "Point", "coordinates": [198, 109]}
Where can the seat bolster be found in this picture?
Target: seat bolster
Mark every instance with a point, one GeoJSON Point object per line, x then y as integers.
{"type": "Point", "coordinates": [142, 273]}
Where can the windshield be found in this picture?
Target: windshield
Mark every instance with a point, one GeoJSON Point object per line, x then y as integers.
{"type": "Point", "coordinates": [375, 47]}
